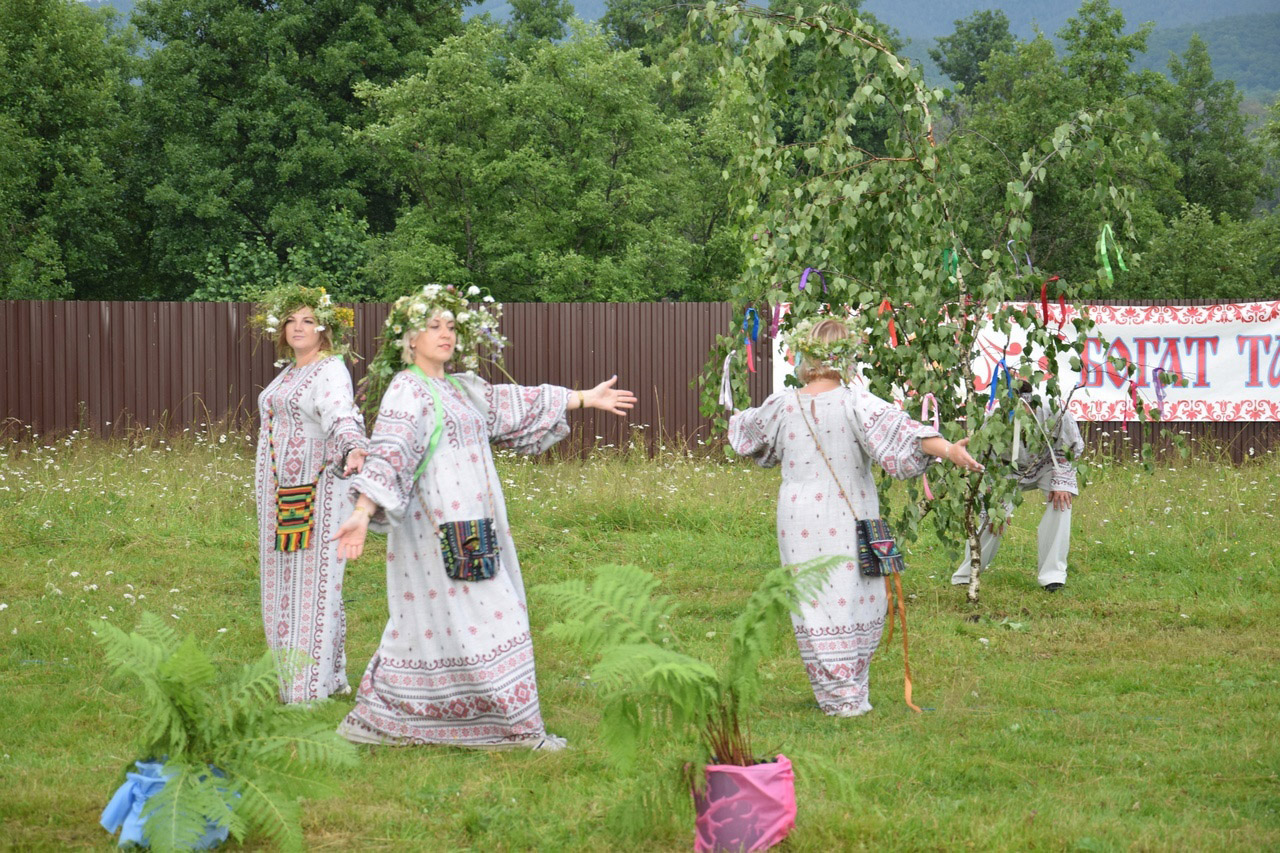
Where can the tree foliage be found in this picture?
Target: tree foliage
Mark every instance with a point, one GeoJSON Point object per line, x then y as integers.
{"type": "Point", "coordinates": [882, 226]}
{"type": "Point", "coordinates": [66, 133]}
{"type": "Point", "coordinates": [247, 106]}
{"type": "Point", "coordinates": [553, 177]}
{"type": "Point", "coordinates": [1222, 169]}
{"type": "Point", "coordinates": [961, 54]}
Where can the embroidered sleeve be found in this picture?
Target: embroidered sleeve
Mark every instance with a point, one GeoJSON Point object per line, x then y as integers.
{"type": "Point", "coordinates": [524, 418]}
{"type": "Point", "coordinates": [754, 432]}
{"type": "Point", "coordinates": [888, 434]}
{"type": "Point", "coordinates": [336, 409]}
{"type": "Point", "coordinates": [1068, 441]}
{"type": "Point", "coordinates": [396, 447]}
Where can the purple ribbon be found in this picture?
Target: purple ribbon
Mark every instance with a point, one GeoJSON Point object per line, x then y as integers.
{"type": "Point", "coordinates": [1155, 379]}
{"type": "Point", "coordinates": [804, 278]}
{"type": "Point", "coordinates": [777, 318]}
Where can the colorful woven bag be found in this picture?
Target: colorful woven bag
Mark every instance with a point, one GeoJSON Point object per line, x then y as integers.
{"type": "Point", "coordinates": [470, 549]}
{"type": "Point", "coordinates": [878, 554]}
{"type": "Point", "coordinates": [295, 516]}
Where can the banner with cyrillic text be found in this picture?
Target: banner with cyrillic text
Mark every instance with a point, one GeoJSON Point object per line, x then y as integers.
{"type": "Point", "coordinates": [1226, 355]}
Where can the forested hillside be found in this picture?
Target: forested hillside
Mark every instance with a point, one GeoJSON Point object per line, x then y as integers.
{"type": "Point", "coordinates": [211, 147]}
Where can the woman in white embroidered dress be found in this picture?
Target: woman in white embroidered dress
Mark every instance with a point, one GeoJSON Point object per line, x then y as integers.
{"type": "Point", "coordinates": [455, 664]}
{"type": "Point", "coordinates": [837, 631]}
{"type": "Point", "coordinates": [311, 432]}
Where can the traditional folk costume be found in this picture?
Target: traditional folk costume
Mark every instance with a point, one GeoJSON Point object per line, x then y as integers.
{"type": "Point", "coordinates": [309, 424]}
{"type": "Point", "coordinates": [1049, 471]}
{"type": "Point", "coordinates": [455, 663]}
{"type": "Point", "coordinates": [838, 631]}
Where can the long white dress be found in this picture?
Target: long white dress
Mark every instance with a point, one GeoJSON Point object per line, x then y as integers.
{"type": "Point", "coordinates": [455, 663]}
{"type": "Point", "coordinates": [312, 419]}
{"type": "Point", "coordinates": [839, 629]}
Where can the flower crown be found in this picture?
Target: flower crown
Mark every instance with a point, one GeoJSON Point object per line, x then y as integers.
{"type": "Point", "coordinates": [476, 326]}
{"type": "Point", "coordinates": [835, 354]}
{"type": "Point", "coordinates": [278, 303]}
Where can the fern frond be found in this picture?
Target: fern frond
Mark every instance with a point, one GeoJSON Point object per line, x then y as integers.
{"type": "Point", "coordinates": [663, 681]}
{"type": "Point", "coordinates": [162, 731]}
{"type": "Point", "coordinates": [277, 816]}
{"type": "Point", "coordinates": [778, 596]}
{"type": "Point", "coordinates": [158, 631]}
{"type": "Point", "coordinates": [618, 608]}
{"type": "Point", "coordinates": [255, 686]}
{"type": "Point", "coordinates": [314, 745]}
{"type": "Point", "coordinates": [177, 816]}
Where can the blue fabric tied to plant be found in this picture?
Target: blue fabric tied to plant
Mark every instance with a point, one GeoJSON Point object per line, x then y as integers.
{"type": "Point", "coordinates": [124, 812]}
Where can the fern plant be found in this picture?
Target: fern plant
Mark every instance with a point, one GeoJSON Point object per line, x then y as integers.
{"type": "Point", "coordinates": [233, 755]}
{"type": "Point", "coordinates": [647, 683]}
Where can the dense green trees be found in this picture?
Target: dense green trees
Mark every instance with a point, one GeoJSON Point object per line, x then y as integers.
{"type": "Point", "coordinates": [67, 133]}
{"type": "Point", "coordinates": [210, 147]}
{"type": "Point", "coordinates": [555, 177]}
{"type": "Point", "coordinates": [976, 38]}
{"type": "Point", "coordinates": [1200, 155]}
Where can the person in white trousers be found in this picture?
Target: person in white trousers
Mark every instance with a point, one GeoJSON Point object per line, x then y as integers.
{"type": "Point", "coordinates": [1052, 472]}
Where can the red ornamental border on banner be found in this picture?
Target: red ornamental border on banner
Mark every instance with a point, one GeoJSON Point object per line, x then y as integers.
{"type": "Point", "coordinates": [1181, 410]}
{"type": "Point", "coordinates": [1198, 315]}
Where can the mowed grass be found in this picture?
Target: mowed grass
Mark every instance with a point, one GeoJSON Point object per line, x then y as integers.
{"type": "Point", "coordinates": [1136, 709]}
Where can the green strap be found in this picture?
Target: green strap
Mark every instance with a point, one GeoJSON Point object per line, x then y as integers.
{"type": "Point", "coordinates": [438, 430]}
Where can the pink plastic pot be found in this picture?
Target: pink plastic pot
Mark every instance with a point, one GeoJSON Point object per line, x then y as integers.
{"type": "Point", "coordinates": [745, 808]}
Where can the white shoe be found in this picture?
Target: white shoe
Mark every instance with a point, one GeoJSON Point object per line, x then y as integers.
{"type": "Point", "coordinates": [550, 743]}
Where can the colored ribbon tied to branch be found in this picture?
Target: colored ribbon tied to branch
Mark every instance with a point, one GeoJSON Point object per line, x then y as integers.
{"type": "Point", "coordinates": [995, 385]}
{"type": "Point", "coordinates": [1044, 302]}
{"type": "Point", "coordinates": [726, 384]}
{"type": "Point", "coordinates": [750, 333]}
{"type": "Point", "coordinates": [1103, 252]}
{"type": "Point", "coordinates": [886, 305]}
{"type": "Point", "coordinates": [1157, 376]}
{"type": "Point", "coordinates": [927, 403]}
{"type": "Point", "coordinates": [804, 278]}
{"type": "Point", "coordinates": [950, 262]}
{"type": "Point", "coordinates": [1017, 270]}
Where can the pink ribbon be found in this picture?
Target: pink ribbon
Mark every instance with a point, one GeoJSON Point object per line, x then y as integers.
{"type": "Point", "coordinates": [927, 402]}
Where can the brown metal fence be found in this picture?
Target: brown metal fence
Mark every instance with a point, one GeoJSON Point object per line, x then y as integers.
{"type": "Point", "coordinates": [106, 366]}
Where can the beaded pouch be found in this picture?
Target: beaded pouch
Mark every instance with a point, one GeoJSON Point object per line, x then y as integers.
{"type": "Point", "coordinates": [470, 549]}
{"type": "Point", "coordinates": [295, 516]}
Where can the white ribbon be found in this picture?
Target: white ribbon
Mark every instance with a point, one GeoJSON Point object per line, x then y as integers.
{"type": "Point", "coordinates": [726, 388]}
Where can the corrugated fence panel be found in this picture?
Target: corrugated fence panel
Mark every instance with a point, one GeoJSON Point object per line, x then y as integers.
{"type": "Point", "coordinates": [105, 366]}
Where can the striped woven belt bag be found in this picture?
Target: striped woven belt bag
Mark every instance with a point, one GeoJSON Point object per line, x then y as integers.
{"type": "Point", "coordinates": [470, 549]}
{"type": "Point", "coordinates": [878, 554]}
{"type": "Point", "coordinates": [295, 516]}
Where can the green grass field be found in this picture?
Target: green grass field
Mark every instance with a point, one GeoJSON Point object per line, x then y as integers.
{"type": "Point", "coordinates": [1136, 709]}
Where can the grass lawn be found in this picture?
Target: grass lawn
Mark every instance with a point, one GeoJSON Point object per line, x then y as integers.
{"type": "Point", "coordinates": [1136, 709]}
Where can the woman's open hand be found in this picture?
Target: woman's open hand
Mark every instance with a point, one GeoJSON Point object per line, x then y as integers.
{"type": "Point", "coordinates": [958, 455]}
{"type": "Point", "coordinates": [609, 399]}
{"type": "Point", "coordinates": [351, 535]}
